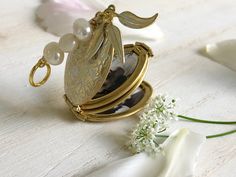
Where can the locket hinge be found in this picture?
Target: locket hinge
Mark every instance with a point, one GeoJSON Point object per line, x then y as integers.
{"type": "Point", "coordinates": [144, 47]}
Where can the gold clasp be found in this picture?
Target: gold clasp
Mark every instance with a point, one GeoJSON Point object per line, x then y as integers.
{"type": "Point", "coordinates": [40, 64]}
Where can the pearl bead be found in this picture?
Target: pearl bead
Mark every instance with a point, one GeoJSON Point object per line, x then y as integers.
{"type": "Point", "coordinates": [53, 54]}
{"type": "Point", "coordinates": [82, 29]}
{"type": "Point", "coordinates": [68, 42]}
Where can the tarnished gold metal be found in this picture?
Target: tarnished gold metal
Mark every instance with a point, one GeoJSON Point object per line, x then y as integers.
{"type": "Point", "coordinates": [40, 64]}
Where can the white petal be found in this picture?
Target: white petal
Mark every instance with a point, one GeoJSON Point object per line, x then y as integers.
{"type": "Point", "coordinates": [180, 152]}
{"type": "Point", "coordinates": [223, 52]}
{"type": "Point", "coordinates": [57, 16]}
{"type": "Point", "coordinates": [99, 3]}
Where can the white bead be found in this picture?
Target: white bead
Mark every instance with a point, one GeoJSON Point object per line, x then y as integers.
{"type": "Point", "coordinates": [68, 42]}
{"type": "Point", "coordinates": [53, 54]}
{"type": "Point", "coordinates": [82, 29]}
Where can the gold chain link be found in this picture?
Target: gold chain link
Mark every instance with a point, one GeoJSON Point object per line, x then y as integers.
{"type": "Point", "coordinates": [40, 64]}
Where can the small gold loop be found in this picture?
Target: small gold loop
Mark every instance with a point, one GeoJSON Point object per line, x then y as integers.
{"type": "Point", "coordinates": [109, 13]}
{"type": "Point", "coordinates": [112, 7]}
{"type": "Point", "coordinates": [40, 64]}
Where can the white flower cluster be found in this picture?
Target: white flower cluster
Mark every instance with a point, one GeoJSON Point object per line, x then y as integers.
{"type": "Point", "coordinates": [153, 121]}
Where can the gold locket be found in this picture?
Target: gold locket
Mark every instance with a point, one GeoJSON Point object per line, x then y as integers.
{"type": "Point", "coordinates": [104, 79]}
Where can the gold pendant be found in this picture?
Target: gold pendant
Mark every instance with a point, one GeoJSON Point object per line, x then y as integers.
{"type": "Point", "coordinates": [103, 79]}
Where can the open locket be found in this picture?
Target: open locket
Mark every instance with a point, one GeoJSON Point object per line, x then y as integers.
{"type": "Point", "coordinates": [103, 79]}
{"type": "Point", "coordinates": [123, 92]}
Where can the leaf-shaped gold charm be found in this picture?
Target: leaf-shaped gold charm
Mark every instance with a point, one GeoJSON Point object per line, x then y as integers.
{"type": "Point", "coordinates": [133, 21]}
{"type": "Point", "coordinates": [95, 42]}
{"type": "Point", "coordinates": [114, 36]}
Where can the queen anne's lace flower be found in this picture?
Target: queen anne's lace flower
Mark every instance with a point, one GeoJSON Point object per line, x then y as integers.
{"type": "Point", "coordinates": [153, 121]}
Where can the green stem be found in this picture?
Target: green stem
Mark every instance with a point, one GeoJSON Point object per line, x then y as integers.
{"type": "Point", "coordinates": [208, 136]}
{"type": "Point", "coordinates": [221, 134]}
{"type": "Point", "coordinates": [206, 121]}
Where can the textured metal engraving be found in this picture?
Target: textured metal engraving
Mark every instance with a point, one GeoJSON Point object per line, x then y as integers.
{"type": "Point", "coordinates": [84, 77]}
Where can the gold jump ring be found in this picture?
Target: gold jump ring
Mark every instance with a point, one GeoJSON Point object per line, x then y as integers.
{"type": "Point", "coordinates": [41, 63]}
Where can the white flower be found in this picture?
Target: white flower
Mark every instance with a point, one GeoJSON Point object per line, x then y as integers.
{"type": "Point", "coordinates": [153, 121]}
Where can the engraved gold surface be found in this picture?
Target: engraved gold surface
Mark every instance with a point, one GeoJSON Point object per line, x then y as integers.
{"type": "Point", "coordinates": [84, 77]}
